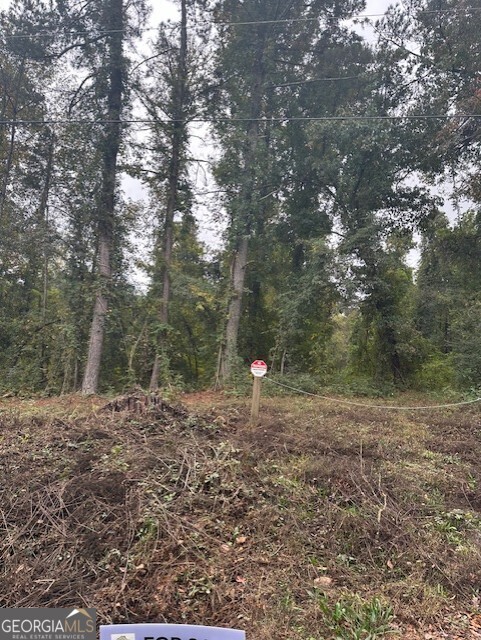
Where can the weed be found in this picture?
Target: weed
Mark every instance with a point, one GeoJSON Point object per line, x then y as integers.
{"type": "Point", "coordinates": [356, 619]}
{"type": "Point", "coordinates": [345, 559]}
{"type": "Point", "coordinates": [287, 602]}
{"type": "Point", "coordinates": [200, 587]}
{"type": "Point", "coordinates": [148, 530]}
{"type": "Point", "coordinates": [453, 525]}
{"type": "Point", "coordinates": [114, 459]}
{"type": "Point", "coordinates": [472, 482]}
{"type": "Point", "coordinates": [317, 562]}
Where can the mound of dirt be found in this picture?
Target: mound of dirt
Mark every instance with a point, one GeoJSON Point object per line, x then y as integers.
{"type": "Point", "coordinates": [116, 511]}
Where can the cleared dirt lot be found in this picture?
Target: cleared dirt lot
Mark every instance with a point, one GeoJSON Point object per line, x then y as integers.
{"type": "Point", "coordinates": [322, 522]}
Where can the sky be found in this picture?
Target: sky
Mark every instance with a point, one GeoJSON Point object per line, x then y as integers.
{"type": "Point", "coordinates": [161, 9]}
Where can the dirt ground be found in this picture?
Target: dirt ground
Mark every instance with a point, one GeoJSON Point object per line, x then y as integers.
{"type": "Point", "coordinates": [322, 522]}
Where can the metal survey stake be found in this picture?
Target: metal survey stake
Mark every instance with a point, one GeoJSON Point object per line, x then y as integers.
{"type": "Point", "coordinates": [258, 370]}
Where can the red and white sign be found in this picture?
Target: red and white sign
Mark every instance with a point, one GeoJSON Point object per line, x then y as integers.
{"type": "Point", "coordinates": [258, 368]}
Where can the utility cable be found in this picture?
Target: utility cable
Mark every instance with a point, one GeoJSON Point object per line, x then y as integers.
{"type": "Point", "coordinates": [309, 80]}
{"type": "Point", "coordinates": [361, 16]}
{"type": "Point", "coordinates": [55, 34]}
{"type": "Point", "coordinates": [266, 120]}
{"type": "Point", "coordinates": [341, 19]}
{"type": "Point", "coordinates": [372, 406]}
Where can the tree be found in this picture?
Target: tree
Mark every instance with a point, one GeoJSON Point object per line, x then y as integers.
{"type": "Point", "coordinates": [259, 58]}
{"type": "Point", "coordinates": [435, 45]}
{"type": "Point", "coordinates": [113, 21]}
{"type": "Point", "coordinates": [377, 211]}
{"type": "Point", "coordinates": [448, 296]}
{"type": "Point", "coordinates": [28, 240]}
{"type": "Point", "coordinates": [170, 68]}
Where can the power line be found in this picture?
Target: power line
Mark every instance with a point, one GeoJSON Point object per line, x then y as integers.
{"type": "Point", "coordinates": [55, 34]}
{"type": "Point", "coordinates": [247, 23]}
{"type": "Point", "coordinates": [356, 17]}
{"type": "Point", "coordinates": [309, 80]}
{"type": "Point", "coordinates": [454, 116]}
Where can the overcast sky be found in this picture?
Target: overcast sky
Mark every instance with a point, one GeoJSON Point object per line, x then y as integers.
{"type": "Point", "coordinates": [161, 9]}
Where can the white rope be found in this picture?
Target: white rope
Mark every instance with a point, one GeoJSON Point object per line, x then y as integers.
{"type": "Point", "coordinates": [372, 406]}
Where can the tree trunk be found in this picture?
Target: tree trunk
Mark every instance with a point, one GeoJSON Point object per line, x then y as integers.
{"type": "Point", "coordinates": [97, 329]}
{"type": "Point", "coordinates": [12, 138]}
{"type": "Point", "coordinates": [248, 196]}
{"type": "Point", "coordinates": [238, 272]}
{"type": "Point", "coordinates": [179, 138]}
{"type": "Point", "coordinates": [283, 361]}
{"type": "Point", "coordinates": [44, 224]}
{"type": "Point", "coordinates": [115, 25]}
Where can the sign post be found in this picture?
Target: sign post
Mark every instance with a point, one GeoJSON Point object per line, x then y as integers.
{"type": "Point", "coordinates": [258, 370]}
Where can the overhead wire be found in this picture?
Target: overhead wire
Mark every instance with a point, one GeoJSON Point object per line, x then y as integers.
{"type": "Point", "coordinates": [54, 34]}
{"type": "Point", "coordinates": [280, 119]}
{"type": "Point", "coordinates": [361, 16]}
{"type": "Point", "coordinates": [274, 21]}
{"type": "Point", "coordinates": [354, 17]}
{"type": "Point", "coordinates": [309, 80]}
{"type": "Point", "coordinates": [240, 23]}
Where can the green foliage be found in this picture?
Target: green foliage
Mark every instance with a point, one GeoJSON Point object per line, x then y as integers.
{"type": "Point", "coordinates": [329, 207]}
{"type": "Point", "coordinates": [304, 308]}
{"type": "Point", "coordinates": [364, 386]}
{"type": "Point", "coordinates": [454, 526]}
{"type": "Point", "coordinates": [436, 373]}
{"type": "Point", "coordinates": [299, 381]}
{"type": "Point", "coordinates": [356, 619]}
{"type": "Point", "coordinates": [447, 306]}
{"type": "Point", "coordinates": [385, 342]}
{"type": "Point", "coordinates": [466, 340]}
{"type": "Point", "coordinates": [337, 352]}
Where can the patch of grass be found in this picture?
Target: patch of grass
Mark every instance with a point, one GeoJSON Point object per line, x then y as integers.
{"type": "Point", "coordinates": [355, 618]}
{"type": "Point", "coordinates": [455, 525]}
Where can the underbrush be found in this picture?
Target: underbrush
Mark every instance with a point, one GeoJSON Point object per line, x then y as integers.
{"type": "Point", "coordinates": [321, 523]}
{"type": "Point", "coordinates": [304, 383]}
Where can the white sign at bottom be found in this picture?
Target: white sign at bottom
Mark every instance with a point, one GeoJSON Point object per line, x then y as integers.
{"type": "Point", "coordinates": [151, 631]}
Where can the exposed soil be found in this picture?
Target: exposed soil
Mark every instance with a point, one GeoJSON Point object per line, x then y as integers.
{"type": "Point", "coordinates": [150, 511]}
